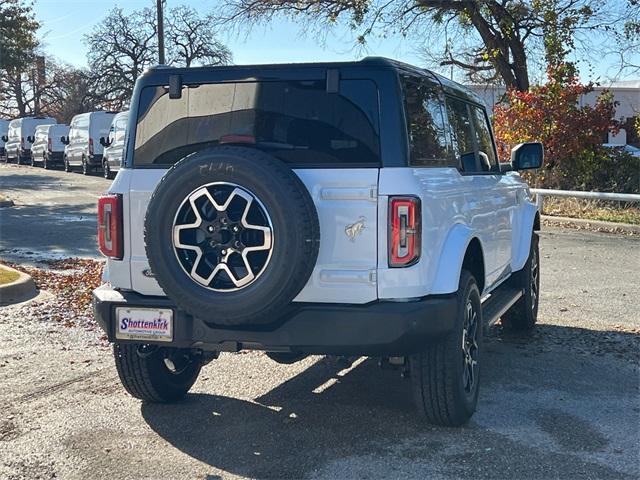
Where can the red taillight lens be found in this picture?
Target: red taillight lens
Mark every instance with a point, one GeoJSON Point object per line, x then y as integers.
{"type": "Point", "coordinates": [110, 226]}
{"type": "Point", "coordinates": [22, 142]}
{"type": "Point", "coordinates": [49, 144]}
{"type": "Point", "coordinates": [90, 146]}
{"type": "Point", "coordinates": [404, 231]}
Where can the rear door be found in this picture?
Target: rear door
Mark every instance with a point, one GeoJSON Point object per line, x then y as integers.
{"type": "Point", "coordinates": [329, 139]}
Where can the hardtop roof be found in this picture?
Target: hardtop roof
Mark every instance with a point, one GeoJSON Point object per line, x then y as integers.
{"type": "Point", "coordinates": [448, 85]}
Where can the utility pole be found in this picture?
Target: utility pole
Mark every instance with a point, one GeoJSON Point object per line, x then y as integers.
{"type": "Point", "coordinates": [159, 9]}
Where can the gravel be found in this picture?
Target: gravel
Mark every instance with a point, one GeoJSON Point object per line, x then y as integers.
{"type": "Point", "coordinates": [561, 402]}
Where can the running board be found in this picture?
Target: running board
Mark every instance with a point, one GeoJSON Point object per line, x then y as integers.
{"type": "Point", "coordinates": [501, 300]}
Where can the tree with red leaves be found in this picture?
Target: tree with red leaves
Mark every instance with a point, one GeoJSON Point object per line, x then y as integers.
{"type": "Point", "coordinates": [572, 134]}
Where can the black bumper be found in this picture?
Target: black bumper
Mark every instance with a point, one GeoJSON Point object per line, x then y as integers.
{"type": "Point", "coordinates": [377, 328]}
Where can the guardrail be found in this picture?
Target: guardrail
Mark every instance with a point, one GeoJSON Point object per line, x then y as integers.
{"type": "Point", "coordinates": [616, 197]}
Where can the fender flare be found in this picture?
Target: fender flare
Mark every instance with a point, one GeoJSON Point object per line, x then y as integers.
{"type": "Point", "coordinates": [450, 260]}
{"type": "Point", "coordinates": [521, 242]}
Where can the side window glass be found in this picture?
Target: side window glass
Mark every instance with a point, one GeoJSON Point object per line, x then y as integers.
{"type": "Point", "coordinates": [462, 134]}
{"type": "Point", "coordinates": [486, 152]}
{"type": "Point", "coordinates": [426, 127]}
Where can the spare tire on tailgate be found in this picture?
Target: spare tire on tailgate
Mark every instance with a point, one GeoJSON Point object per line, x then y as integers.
{"type": "Point", "coordinates": [232, 235]}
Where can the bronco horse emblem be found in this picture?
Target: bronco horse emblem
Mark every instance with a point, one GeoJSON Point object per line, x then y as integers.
{"type": "Point", "coordinates": [355, 229]}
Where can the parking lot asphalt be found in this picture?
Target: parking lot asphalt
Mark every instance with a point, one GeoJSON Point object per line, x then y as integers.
{"type": "Point", "coordinates": [54, 213]}
{"type": "Point", "coordinates": [561, 402]}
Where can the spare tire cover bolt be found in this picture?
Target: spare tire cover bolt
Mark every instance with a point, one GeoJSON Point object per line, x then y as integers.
{"type": "Point", "coordinates": [235, 228]}
{"type": "Point", "coordinates": [210, 228]}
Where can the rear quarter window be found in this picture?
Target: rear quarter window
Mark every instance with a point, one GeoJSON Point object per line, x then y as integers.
{"type": "Point", "coordinates": [296, 121]}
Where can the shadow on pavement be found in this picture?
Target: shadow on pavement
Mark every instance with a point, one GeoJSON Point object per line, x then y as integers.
{"type": "Point", "coordinates": [517, 432]}
{"type": "Point", "coordinates": [69, 230]}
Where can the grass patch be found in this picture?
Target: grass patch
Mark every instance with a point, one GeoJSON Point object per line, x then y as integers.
{"type": "Point", "coordinates": [7, 276]}
{"type": "Point", "coordinates": [607, 211]}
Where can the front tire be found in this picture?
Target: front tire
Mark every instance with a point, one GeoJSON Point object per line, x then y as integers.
{"type": "Point", "coordinates": [523, 314]}
{"type": "Point", "coordinates": [67, 166]}
{"type": "Point", "coordinates": [85, 166]}
{"type": "Point", "coordinates": [154, 374]}
{"type": "Point", "coordinates": [106, 170]}
{"type": "Point", "coordinates": [445, 376]}
{"type": "Point", "coordinates": [45, 161]}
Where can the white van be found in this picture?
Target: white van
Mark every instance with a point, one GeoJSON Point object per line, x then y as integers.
{"type": "Point", "coordinates": [83, 148]}
{"type": "Point", "coordinates": [4, 128]}
{"type": "Point", "coordinates": [20, 136]}
{"type": "Point", "coordinates": [47, 147]}
{"type": "Point", "coordinates": [114, 145]}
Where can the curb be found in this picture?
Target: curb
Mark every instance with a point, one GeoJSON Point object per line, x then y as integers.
{"type": "Point", "coordinates": [598, 225]}
{"type": "Point", "coordinates": [21, 289]}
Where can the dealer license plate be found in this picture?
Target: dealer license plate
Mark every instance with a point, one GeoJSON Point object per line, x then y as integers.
{"type": "Point", "coordinates": [154, 324]}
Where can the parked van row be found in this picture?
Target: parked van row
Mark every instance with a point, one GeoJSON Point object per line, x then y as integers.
{"type": "Point", "coordinates": [93, 141]}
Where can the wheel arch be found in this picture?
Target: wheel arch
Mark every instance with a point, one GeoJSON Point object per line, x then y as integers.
{"type": "Point", "coordinates": [521, 239]}
{"type": "Point", "coordinates": [461, 248]}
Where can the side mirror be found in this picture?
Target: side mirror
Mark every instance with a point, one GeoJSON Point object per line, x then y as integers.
{"type": "Point", "coordinates": [5, 138]}
{"type": "Point", "coordinates": [30, 139]}
{"type": "Point", "coordinates": [527, 156]}
{"type": "Point", "coordinates": [64, 140]}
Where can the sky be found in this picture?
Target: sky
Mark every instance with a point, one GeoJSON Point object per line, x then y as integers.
{"type": "Point", "coordinates": [65, 22]}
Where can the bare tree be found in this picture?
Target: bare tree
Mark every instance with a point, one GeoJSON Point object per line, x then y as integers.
{"type": "Point", "coordinates": [120, 48]}
{"type": "Point", "coordinates": [191, 39]}
{"type": "Point", "coordinates": [485, 39]}
{"type": "Point", "coordinates": [123, 45]}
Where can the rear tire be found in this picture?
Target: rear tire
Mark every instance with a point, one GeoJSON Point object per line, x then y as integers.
{"type": "Point", "coordinates": [523, 314]}
{"type": "Point", "coordinates": [67, 166]}
{"type": "Point", "coordinates": [445, 377]}
{"type": "Point", "coordinates": [45, 161]}
{"type": "Point", "coordinates": [145, 375]}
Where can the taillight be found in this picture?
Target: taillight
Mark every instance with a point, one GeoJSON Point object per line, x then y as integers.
{"type": "Point", "coordinates": [404, 231]}
{"type": "Point", "coordinates": [22, 142]}
{"type": "Point", "coordinates": [90, 146]}
{"type": "Point", "coordinates": [110, 226]}
{"type": "Point", "coordinates": [49, 144]}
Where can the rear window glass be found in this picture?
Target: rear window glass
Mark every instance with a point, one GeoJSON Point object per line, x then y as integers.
{"type": "Point", "coordinates": [296, 121]}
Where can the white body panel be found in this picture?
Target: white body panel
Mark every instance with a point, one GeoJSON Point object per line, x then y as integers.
{"type": "Point", "coordinates": [48, 135]}
{"type": "Point", "coordinates": [117, 137]}
{"type": "Point", "coordinates": [345, 271]}
{"type": "Point", "coordinates": [86, 127]}
{"type": "Point", "coordinates": [19, 131]}
{"type": "Point", "coordinates": [455, 209]}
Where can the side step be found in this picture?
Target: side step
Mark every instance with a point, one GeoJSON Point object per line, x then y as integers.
{"type": "Point", "coordinates": [500, 300]}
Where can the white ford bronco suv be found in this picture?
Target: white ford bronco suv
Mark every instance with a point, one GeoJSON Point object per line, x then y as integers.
{"type": "Point", "coordinates": [349, 209]}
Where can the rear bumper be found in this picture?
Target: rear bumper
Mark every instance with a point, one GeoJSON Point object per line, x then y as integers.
{"type": "Point", "coordinates": [377, 328]}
